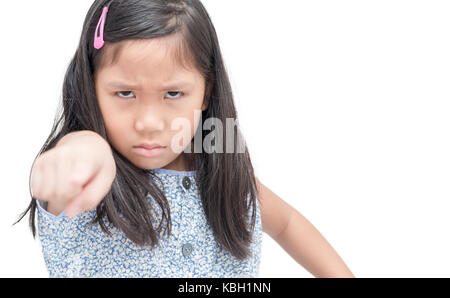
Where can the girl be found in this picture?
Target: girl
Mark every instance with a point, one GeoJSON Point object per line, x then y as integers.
{"type": "Point", "coordinates": [143, 208]}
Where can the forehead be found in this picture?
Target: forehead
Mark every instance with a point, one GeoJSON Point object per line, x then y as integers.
{"type": "Point", "coordinates": [163, 58]}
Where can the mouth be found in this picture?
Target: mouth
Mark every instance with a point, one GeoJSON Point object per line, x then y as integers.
{"type": "Point", "coordinates": [149, 146]}
{"type": "Point", "coordinates": [146, 152]}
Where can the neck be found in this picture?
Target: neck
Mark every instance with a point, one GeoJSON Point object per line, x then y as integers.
{"type": "Point", "coordinates": [183, 162]}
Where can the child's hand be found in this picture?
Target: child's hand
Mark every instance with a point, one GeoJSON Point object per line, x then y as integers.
{"type": "Point", "coordinates": [74, 175]}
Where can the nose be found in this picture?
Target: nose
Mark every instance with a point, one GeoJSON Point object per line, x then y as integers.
{"type": "Point", "coordinates": [149, 119]}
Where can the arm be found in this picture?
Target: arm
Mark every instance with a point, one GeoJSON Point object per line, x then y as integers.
{"type": "Point", "coordinates": [298, 237]}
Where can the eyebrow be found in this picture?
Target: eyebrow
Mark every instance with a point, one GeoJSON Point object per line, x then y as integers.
{"type": "Point", "coordinates": [172, 85]}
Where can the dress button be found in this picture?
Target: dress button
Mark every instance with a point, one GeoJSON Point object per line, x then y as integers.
{"type": "Point", "coordinates": [187, 249]}
{"type": "Point", "coordinates": [186, 182]}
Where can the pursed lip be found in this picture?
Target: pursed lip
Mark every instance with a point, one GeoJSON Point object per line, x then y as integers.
{"type": "Point", "coordinates": [149, 146]}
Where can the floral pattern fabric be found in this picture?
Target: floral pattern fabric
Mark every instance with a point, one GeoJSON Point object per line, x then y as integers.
{"type": "Point", "coordinates": [72, 248]}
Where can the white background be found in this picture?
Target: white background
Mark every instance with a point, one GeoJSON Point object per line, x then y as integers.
{"type": "Point", "coordinates": [344, 105]}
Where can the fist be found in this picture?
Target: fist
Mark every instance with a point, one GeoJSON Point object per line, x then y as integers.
{"type": "Point", "coordinates": [75, 175]}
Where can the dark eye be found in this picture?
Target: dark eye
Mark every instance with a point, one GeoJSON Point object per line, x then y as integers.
{"type": "Point", "coordinates": [130, 94]}
{"type": "Point", "coordinates": [126, 92]}
{"type": "Point", "coordinates": [175, 92]}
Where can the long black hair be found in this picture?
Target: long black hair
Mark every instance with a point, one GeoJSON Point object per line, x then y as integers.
{"type": "Point", "coordinates": [226, 181]}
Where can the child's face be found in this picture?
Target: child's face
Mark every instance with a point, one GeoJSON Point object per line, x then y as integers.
{"type": "Point", "coordinates": [144, 108]}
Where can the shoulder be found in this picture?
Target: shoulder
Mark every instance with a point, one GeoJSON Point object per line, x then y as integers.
{"type": "Point", "coordinates": [275, 213]}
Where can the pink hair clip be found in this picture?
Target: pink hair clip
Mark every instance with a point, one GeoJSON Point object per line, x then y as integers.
{"type": "Point", "coordinates": [98, 39]}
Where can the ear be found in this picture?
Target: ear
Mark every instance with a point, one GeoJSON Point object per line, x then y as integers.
{"type": "Point", "coordinates": [205, 104]}
{"type": "Point", "coordinates": [207, 96]}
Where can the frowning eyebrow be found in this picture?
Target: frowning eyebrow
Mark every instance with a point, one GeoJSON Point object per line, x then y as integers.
{"type": "Point", "coordinates": [127, 86]}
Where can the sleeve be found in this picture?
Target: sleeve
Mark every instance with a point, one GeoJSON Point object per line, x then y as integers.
{"type": "Point", "coordinates": [42, 206]}
{"type": "Point", "coordinates": [257, 236]}
{"type": "Point", "coordinates": [63, 240]}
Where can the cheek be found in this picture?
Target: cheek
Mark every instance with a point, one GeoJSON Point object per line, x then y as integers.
{"type": "Point", "coordinates": [191, 115]}
{"type": "Point", "coordinates": [107, 114]}
{"type": "Point", "coordinates": [112, 123]}
{"type": "Point", "coordinates": [113, 130]}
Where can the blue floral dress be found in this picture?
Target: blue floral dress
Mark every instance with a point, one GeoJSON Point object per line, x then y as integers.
{"type": "Point", "coordinates": [72, 248]}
